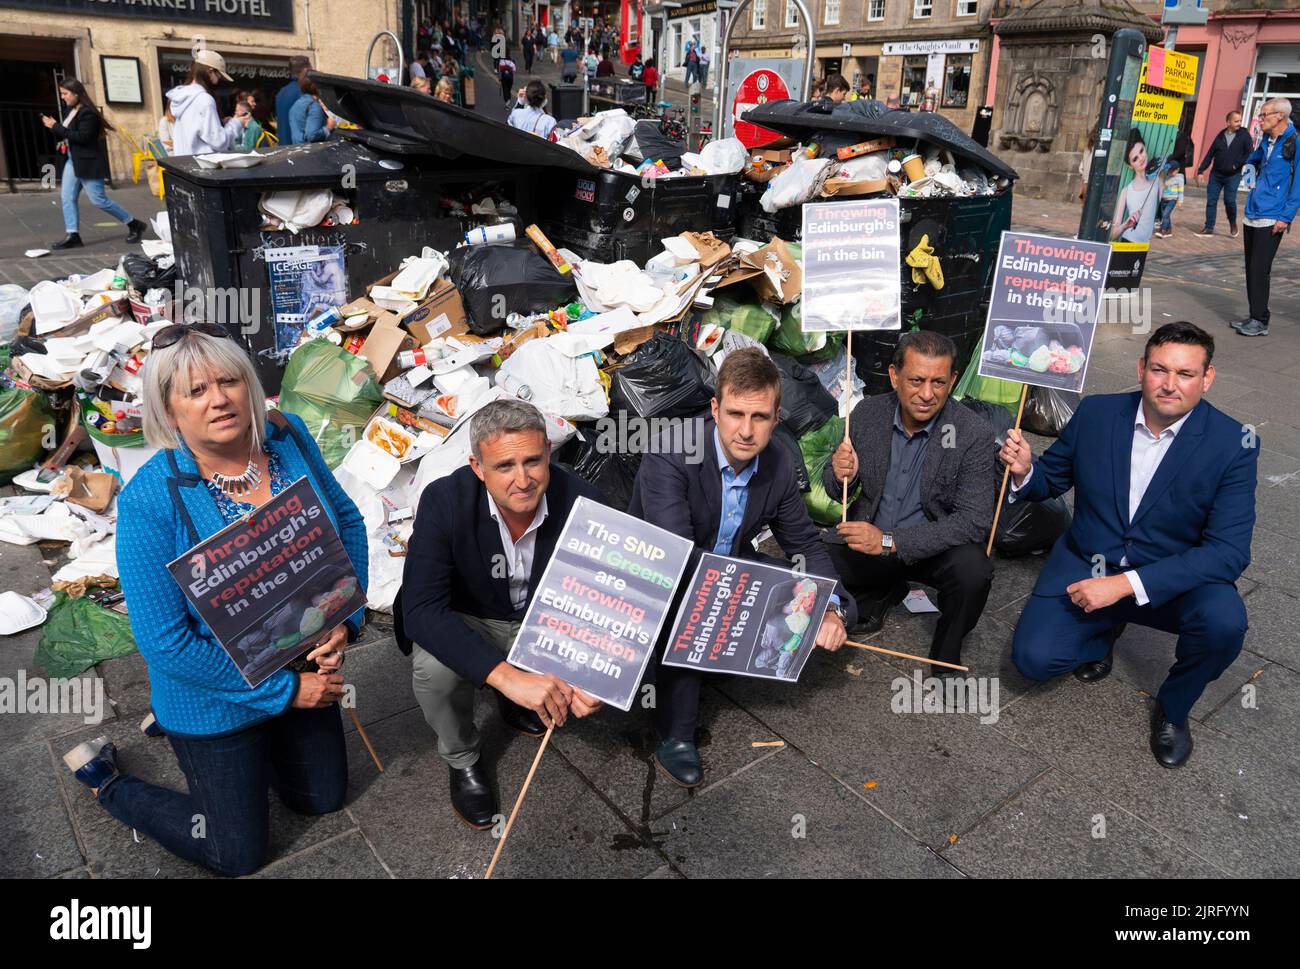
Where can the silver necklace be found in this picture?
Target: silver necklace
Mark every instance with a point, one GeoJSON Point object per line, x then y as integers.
{"type": "Point", "coordinates": [239, 485]}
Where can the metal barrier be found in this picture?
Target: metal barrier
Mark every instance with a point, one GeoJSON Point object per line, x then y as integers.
{"type": "Point", "coordinates": [27, 144]}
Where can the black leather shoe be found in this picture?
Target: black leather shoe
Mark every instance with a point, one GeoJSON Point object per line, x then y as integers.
{"type": "Point", "coordinates": [135, 230]}
{"type": "Point", "coordinates": [872, 618]}
{"type": "Point", "coordinates": [471, 796]}
{"type": "Point", "coordinates": [1097, 671]}
{"type": "Point", "coordinates": [71, 241]}
{"type": "Point", "coordinates": [1171, 743]}
{"type": "Point", "coordinates": [520, 718]}
{"type": "Point", "coordinates": [680, 761]}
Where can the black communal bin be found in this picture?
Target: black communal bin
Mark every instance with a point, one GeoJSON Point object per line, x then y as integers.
{"type": "Point", "coordinates": [405, 174]}
{"type": "Point", "coordinates": [609, 216]}
{"type": "Point", "coordinates": [965, 231]}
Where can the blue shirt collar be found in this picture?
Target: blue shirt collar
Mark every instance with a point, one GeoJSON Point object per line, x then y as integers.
{"type": "Point", "coordinates": [898, 422]}
{"type": "Point", "coordinates": [725, 466]}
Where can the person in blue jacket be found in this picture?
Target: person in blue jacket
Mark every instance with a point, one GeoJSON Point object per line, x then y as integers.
{"type": "Point", "coordinates": [288, 96]}
{"type": "Point", "coordinates": [308, 120]}
{"type": "Point", "coordinates": [1164, 508]}
{"type": "Point", "coordinates": [219, 457]}
{"type": "Point", "coordinates": [1270, 208]}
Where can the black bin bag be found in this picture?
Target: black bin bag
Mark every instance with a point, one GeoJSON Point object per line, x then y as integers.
{"type": "Point", "coordinates": [612, 472]}
{"type": "Point", "coordinates": [1048, 410]}
{"type": "Point", "coordinates": [495, 281]}
{"type": "Point", "coordinates": [663, 377]}
{"type": "Point", "coordinates": [805, 403]}
{"type": "Point", "coordinates": [1030, 526]}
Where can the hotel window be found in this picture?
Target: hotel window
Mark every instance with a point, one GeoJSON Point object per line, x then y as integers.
{"type": "Point", "coordinates": [956, 80]}
{"type": "Point", "coordinates": [875, 9]}
{"type": "Point", "coordinates": [758, 15]}
{"type": "Point", "coordinates": [791, 14]}
{"type": "Point", "coordinates": [968, 8]}
{"type": "Point", "coordinates": [831, 15]}
{"type": "Point", "coordinates": [921, 9]}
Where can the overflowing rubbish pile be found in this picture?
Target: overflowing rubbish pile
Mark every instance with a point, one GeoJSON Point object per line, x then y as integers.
{"type": "Point", "coordinates": [611, 316]}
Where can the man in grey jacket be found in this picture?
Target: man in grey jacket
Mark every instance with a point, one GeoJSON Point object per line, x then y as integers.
{"type": "Point", "coordinates": [928, 482]}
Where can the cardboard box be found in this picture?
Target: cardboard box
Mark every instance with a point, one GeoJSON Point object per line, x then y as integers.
{"type": "Point", "coordinates": [773, 272]}
{"type": "Point", "coordinates": [844, 187]}
{"type": "Point", "coordinates": [385, 341]}
{"type": "Point", "coordinates": [422, 322]}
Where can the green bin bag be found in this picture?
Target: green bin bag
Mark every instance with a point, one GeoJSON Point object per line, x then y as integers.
{"type": "Point", "coordinates": [804, 347]}
{"type": "Point", "coordinates": [80, 633]}
{"type": "Point", "coordinates": [26, 423]}
{"type": "Point", "coordinates": [752, 319]}
{"type": "Point", "coordinates": [334, 392]}
{"type": "Point", "coordinates": [817, 447]}
{"type": "Point", "coordinates": [991, 390]}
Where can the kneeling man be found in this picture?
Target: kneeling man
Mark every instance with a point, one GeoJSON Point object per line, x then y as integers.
{"type": "Point", "coordinates": [1164, 506]}
{"type": "Point", "coordinates": [483, 536]}
{"type": "Point", "coordinates": [721, 500]}
{"type": "Point", "coordinates": [925, 464]}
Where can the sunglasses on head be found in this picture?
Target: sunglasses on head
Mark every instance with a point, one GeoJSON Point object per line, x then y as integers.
{"type": "Point", "coordinates": [177, 331]}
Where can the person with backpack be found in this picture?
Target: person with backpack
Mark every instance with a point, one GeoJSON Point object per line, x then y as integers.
{"type": "Point", "coordinates": [1227, 154]}
{"type": "Point", "coordinates": [1270, 208]}
{"type": "Point", "coordinates": [87, 166]}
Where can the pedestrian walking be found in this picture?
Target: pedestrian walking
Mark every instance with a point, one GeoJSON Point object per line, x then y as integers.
{"type": "Point", "coordinates": [506, 71]}
{"type": "Point", "coordinates": [1225, 158]}
{"type": "Point", "coordinates": [1270, 208]}
{"type": "Point", "coordinates": [87, 166]}
{"type": "Point", "coordinates": [1171, 196]}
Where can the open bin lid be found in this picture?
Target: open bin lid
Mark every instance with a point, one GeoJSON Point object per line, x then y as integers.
{"type": "Point", "coordinates": [287, 167]}
{"type": "Point", "coordinates": [796, 119]}
{"type": "Point", "coordinates": [403, 120]}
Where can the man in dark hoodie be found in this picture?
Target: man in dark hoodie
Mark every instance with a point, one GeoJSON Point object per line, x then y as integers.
{"type": "Point", "coordinates": [1227, 153]}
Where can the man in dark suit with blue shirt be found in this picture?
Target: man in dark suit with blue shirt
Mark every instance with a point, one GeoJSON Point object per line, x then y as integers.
{"type": "Point", "coordinates": [483, 536]}
{"type": "Point", "coordinates": [722, 497]}
{"type": "Point", "coordinates": [1164, 506]}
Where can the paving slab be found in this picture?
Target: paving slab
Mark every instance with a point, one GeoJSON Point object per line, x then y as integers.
{"type": "Point", "coordinates": [1227, 805]}
{"type": "Point", "coordinates": [565, 829]}
{"type": "Point", "coordinates": [785, 818]}
{"type": "Point", "coordinates": [1058, 827]}
{"type": "Point", "coordinates": [1266, 716]}
{"type": "Point", "coordinates": [615, 751]}
{"type": "Point", "coordinates": [381, 676]}
{"type": "Point", "coordinates": [1274, 618]}
{"type": "Point", "coordinates": [922, 765]}
{"type": "Point", "coordinates": [346, 856]}
{"type": "Point", "coordinates": [39, 841]}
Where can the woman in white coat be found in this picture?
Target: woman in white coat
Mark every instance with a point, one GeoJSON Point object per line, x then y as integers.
{"type": "Point", "coordinates": [198, 128]}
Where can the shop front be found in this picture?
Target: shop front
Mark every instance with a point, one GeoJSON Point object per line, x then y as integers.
{"type": "Point", "coordinates": [933, 75]}
{"type": "Point", "coordinates": [128, 55]}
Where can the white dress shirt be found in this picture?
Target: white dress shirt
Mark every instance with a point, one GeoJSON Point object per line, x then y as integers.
{"type": "Point", "coordinates": [1148, 451]}
{"type": "Point", "coordinates": [519, 555]}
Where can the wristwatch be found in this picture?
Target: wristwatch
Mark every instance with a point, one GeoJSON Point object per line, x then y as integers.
{"type": "Point", "coordinates": [887, 543]}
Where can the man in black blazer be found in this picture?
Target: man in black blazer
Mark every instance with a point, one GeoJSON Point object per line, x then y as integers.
{"type": "Point", "coordinates": [925, 466]}
{"type": "Point", "coordinates": [1227, 154]}
{"type": "Point", "coordinates": [483, 536]}
{"type": "Point", "coordinates": [721, 496]}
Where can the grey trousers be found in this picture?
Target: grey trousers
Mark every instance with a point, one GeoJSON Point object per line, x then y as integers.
{"type": "Point", "coordinates": [448, 701]}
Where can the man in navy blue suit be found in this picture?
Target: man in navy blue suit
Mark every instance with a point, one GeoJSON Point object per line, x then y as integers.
{"type": "Point", "coordinates": [1164, 506]}
{"type": "Point", "coordinates": [722, 499]}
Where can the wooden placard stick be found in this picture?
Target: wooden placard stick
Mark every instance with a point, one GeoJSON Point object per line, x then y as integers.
{"type": "Point", "coordinates": [919, 659]}
{"type": "Point", "coordinates": [1006, 474]}
{"type": "Point", "coordinates": [848, 412]}
{"type": "Point", "coordinates": [519, 802]}
{"type": "Point", "coordinates": [365, 739]}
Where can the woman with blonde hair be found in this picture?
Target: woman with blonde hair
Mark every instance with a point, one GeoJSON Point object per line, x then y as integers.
{"type": "Point", "coordinates": [220, 456]}
{"type": "Point", "coordinates": [445, 91]}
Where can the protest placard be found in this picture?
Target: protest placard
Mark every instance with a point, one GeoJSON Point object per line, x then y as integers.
{"type": "Point", "coordinates": [1043, 310]}
{"type": "Point", "coordinates": [596, 614]}
{"type": "Point", "coordinates": [851, 277]}
{"type": "Point", "coordinates": [274, 584]}
{"type": "Point", "coordinates": [748, 618]}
